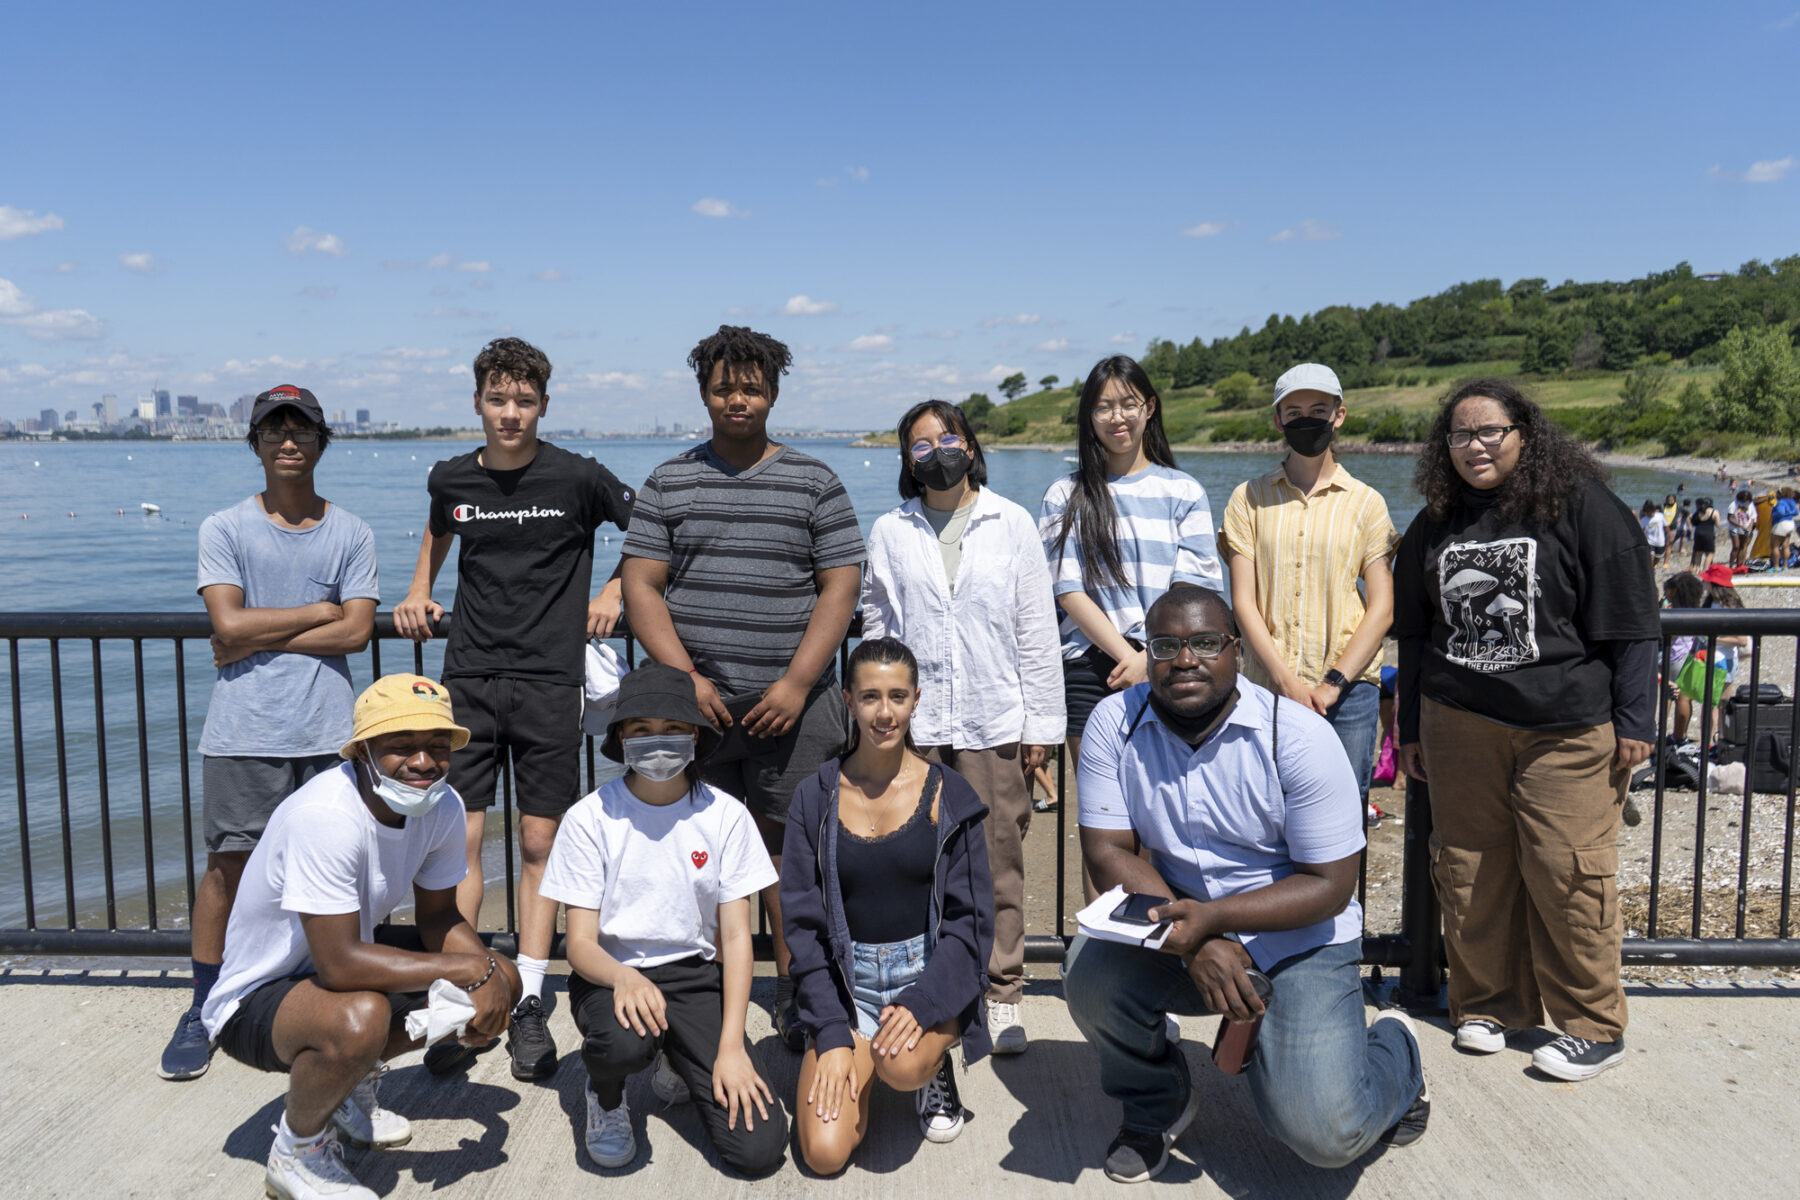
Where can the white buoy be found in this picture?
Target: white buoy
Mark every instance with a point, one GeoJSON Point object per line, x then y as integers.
{"type": "Point", "coordinates": [150, 510]}
{"type": "Point", "coordinates": [36, 463]}
{"type": "Point", "coordinates": [128, 458]}
{"type": "Point", "coordinates": [377, 454]}
{"type": "Point", "coordinates": [866, 462]}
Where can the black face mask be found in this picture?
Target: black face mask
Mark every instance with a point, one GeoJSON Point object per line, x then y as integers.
{"type": "Point", "coordinates": [943, 470]}
{"type": "Point", "coordinates": [1309, 436]}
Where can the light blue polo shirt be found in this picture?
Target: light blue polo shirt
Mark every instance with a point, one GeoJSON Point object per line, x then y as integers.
{"type": "Point", "coordinates": [1216, 818]}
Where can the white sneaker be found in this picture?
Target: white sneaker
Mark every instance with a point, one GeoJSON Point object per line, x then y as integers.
{"type": "Point", "coordinates": [1480, 1036]}
{"type": "Point", "coordinates": [367, 1125]}
{"type": "Point", "coordinates": [939, 1106]}
{"type": "Point", "coordinates": [669, 1087]}
{"type": "Point", "coordinates": [316, 1171]}
{"type": "Point", "coordinates": [1005, 1028]}
{"type": "Point", "coordinates": [610, 1141]}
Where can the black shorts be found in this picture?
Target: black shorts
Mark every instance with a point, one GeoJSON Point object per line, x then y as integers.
{"type": "Point", "coordinates": [763, 772]}
{"type": "Point", "coordinates": [535, 723]}
{"type": "Point", "coordinates": [1084, 685]}
{"type": "Point", "coordinates": [249, 1036]}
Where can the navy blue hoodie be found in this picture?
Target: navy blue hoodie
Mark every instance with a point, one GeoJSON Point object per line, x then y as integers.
{"type": "Point", "coordinates": [959, 928]}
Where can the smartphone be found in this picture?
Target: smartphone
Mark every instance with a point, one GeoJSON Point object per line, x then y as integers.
{"type": "Point", "coordinates": [1135, 908]}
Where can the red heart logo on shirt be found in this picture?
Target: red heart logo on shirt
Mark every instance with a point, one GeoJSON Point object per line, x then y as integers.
{"type": "Point", "coordinates": [699, 857]}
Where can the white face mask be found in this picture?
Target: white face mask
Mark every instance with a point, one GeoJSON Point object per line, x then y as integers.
{"type": "Point", "coordinates": [659, 758]}
{"type": "Point", "coordinates": [403, 798]}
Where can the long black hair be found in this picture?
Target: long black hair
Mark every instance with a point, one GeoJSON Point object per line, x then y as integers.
{"type": "Point", "coordinates": [1551, 468]}
{"type": "Point", "coordinates": [880, 651]}
{"type": "Point", "coordinates": [1090, 515]}
{"type": "Point", "coordinates": [954, 422]}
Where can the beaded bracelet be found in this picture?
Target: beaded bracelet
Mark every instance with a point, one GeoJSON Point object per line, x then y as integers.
{"type": "Point", "coordinates": [490, 974]}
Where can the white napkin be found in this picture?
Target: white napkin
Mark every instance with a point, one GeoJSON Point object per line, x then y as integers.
{"type": "Point", "coordinates": [447, 1015]}
{"type": "Point", "coordinates": [1096, 921]}
{"type": "Point", "coordinates": [600, 695]}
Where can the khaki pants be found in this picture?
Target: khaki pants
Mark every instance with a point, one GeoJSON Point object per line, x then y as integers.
{"type": "Point", "coordinates": [1523, 855]}
{"type": "Point", "coordinates": [998, 778]}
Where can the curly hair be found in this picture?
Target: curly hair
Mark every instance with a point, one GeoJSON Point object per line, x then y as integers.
{"type": "Point", "coordinates": [738, 346]}
{"type": "Point", "coordinates": [1550, 470]}
{"type": "Point", "coordinates": [515, 358]}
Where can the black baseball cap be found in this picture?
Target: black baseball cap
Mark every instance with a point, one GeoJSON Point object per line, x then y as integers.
{"type": "Point", "coordinates": [659, 690]}
{"type": "Point", "coordinates": [287, 396]}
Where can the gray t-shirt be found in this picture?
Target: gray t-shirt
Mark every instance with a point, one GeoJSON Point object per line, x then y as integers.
{"type": "Point", "coordinates": [283, 705]}
{"type": "Point", "coordinates": [948, 524]}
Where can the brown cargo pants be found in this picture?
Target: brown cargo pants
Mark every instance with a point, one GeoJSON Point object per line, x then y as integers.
{"type": "Point", "coordinates": [999, 780]}
{"type": "Point", "coordinates": [1524, 852]}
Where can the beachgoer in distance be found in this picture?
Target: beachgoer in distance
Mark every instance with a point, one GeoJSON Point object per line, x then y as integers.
{"type": "Point", "coordinates": [957, 574]}
{"type": "Point", "coordinates": [524, 512]}
{"type": "Point", "coordinates": [1705, 526]}
{"type": "Point", "coordinates": [1298, 541]}
{"type": "Point", "coordinates": [657, 870]}
{"type": "Point", "coordinates": [1525, 608]}
{"type": "Point", "coordinates": [890, 916]}
{"type": "Point", "coordinates": [1740, 519]}
{"type": "Point", "coordinates": [1782, 518]}
{"type": "Point", "coordinates": [743, 567]}
{"type": "Point", "coordinates": [1120, 531]}
{"type": "Point", "coordinates": [1687, 590]}
{"type": "Point", "coordinates": [302, 991]}
{"type": "Point", "coordinates": [1656, 534]}
{"type": "Point", "coordinates": [1248, 812]}
{"type": "Point", "coordinates": [288, 579]}
{"type": "Point", "coordinates": [1681, 529]}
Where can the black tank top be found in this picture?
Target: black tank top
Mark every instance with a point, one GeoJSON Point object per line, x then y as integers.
{"type": "Point", "coordinates": [886, 881]}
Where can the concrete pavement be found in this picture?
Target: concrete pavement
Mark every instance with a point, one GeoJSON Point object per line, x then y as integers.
{"type": "Point", "coordinates": [1706, 1105]}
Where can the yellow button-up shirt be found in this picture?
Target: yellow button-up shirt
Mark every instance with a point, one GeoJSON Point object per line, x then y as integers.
{"type": "Point", "coordinates": [1308, 553]}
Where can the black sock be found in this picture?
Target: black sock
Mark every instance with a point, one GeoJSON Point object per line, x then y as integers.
{"type": "Point", "coordinates": [205, 975]}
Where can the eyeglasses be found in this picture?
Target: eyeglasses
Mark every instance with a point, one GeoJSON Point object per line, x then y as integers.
{"type": "Point", "coordinates": [1487, 435]}
{"type": "Point", "coordinates": [1204, 645]}
{"type": "Point", "coordinates": [922, 449]}
{"type": "Point", "coordinates": [1131, 410]}
{"type": "Point", "coordinates": [300, 437]}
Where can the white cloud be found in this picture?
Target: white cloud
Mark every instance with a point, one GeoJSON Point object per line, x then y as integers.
{"type": "Point", "coordinates": [1125, 337]}
{"type": "Point", "coordinates": [143, 264]}
{"type": "Point", "coordinates": [1309, 230]}
{"type": "Point", "coordinates": [1053, 345]}
{"type": "Point", "coordinates": [615, 379]}
{"type": "Point", "coordinates": [859, 174]}
{"type": "Point", "coordinates": [23, 222]}
{"type": "Point", "coordinates": [805, 306]}
{"type": "Point", "coordinates": [739, 310]}
{"type": "Point", "coordinates": [46, 325]}
{"type": "Point", "coordinates": [549, 275]}
{"type": "Point", "coordinates": [67, 268]}
{"type": "Point", "coordinates": [1026, 319]}
{"type": "Point", "coordinates": [872, 342]}
{"type": "Point", "coordinates": [460, 369]}
{"type": "Point", "coordinates": [479, 265]}
{"type": "Point", "coordinates": [13, 302]}
{"type": "Point", "coordinates": [998, 372]}
{"type": "Point", "coordinates": [411, 354]}
{"type": "Point", "coordinates": [1769, 170]}
{"type": "Point", "coordinates": [1787, 22]}
{"type": "Point", "coordinates": [1206, 229]}
{"type": "Point", "coordinates": [306, 240]}
{"type": "Point", "coordinates": [712, 206]}
{"type": "Point", "coordinates": [437, 262]}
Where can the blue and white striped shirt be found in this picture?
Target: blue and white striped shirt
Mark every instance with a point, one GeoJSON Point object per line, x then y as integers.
{"type": "Point", "coordinates": [1165, 531]}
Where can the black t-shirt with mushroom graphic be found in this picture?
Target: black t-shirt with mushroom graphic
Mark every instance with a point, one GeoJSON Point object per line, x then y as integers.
{"type": "Point", "coordinates": [1514, 618]}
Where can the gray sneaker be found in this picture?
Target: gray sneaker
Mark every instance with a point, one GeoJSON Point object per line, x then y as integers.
{"type": "Point", "coordinates": [364, 1123]}
{"type": "Point", "coordinates": [669, 1087]}
{"type": "Point", "coordinates": [609, 1141]}
{"type": "Point", "coordinates": [313, 1174]}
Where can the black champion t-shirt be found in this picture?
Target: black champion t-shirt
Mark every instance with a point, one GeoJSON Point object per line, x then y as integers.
{"type": "Point", "coordinates": [525, 563]}
{"type": "Point", "coordinates": [1515, 618]}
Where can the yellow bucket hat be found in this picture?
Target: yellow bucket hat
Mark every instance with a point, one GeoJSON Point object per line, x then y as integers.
{"type": "Point", "coordinates": [403, 702]}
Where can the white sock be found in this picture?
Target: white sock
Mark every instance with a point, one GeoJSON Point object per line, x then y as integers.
{"type": "Point", "coordinates": [289, 1143]}
{"type": "Point", "coordinates": [531, 975]}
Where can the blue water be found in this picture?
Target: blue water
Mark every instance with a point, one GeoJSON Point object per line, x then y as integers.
{"type": "Point", "coordinates": [102, 559]}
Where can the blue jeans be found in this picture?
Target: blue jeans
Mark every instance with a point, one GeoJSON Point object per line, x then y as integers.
{"type": "Point", "coordinates": [1324, 1084]}
{"type": "Point", "coordinates": [1356, 719]}
{"type": "Point", "coordinates": [883, 970]}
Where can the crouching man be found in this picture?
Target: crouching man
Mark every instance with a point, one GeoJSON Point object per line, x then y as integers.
{"type": "Point", "coordinates": [303, 988]}
{"type": "Point", "coordinates": [1253, 826]}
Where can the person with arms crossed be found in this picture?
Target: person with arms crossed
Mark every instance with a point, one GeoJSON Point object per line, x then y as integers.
{"type": "Point", "coordinates": [288, 579]}
{"type": "Point", "coordinates": [742, 567]}
{"type": "Point", "coordinates": [524, 512]}
{"type": "Point", "coordinates": [1249, 815]}
{"type": "Point", "coordinates": [305, 989]}
{"type": "Point", "coordinates": [957, 574]}
{"type": "Point", "coordinates": [1298, 540]}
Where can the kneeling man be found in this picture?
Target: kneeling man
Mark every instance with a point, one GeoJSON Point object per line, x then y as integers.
{"type": "Point", "coordinates": [1253, 827]}
{"type": "Point", "coordinates": [303, 989]}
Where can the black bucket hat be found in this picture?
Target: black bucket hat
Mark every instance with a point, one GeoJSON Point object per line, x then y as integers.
{"type": "Point", "coordinates": [659, 690]}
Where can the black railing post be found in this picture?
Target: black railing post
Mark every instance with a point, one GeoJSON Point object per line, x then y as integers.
{"type": "Point", "coordinates": [143, 732]}
{"type": "Point", "coordinates": [18, 724]}
{"type": "Point", "coordinates": [1421, 922]}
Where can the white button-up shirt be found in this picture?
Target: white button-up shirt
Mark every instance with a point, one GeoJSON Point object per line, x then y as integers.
{"type": "Point", "coordinates": [990, 661]}
{"type": "Point", "coordinates": [1221, 818]}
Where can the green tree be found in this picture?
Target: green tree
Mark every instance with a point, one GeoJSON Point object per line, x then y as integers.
{"type": "Point", "coordinates": [1193, 366]}
{"type": "Point", "coordinates": [1014, 385]}
{"type": "Point", "coordinates": [976, 408]}
{"type": "Point", "coordinates": [1048, 382]}
{"type": "Point", "coordinates": [1759, 386]}
{"type": "Point", "coordinates": [1642, 390]}
{"type": "Point", "coordinates": [1235, 390]}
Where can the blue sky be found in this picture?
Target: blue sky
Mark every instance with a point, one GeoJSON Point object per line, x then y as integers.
{"type": "Point", "coordinates": [917, 198]}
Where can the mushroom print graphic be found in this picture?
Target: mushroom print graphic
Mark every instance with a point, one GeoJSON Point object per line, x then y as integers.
{"type": "Point", "coordinates": [1488, 592]}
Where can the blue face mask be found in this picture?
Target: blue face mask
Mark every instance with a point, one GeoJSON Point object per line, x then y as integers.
{"type": "Point", "coordinates": [403, 798]}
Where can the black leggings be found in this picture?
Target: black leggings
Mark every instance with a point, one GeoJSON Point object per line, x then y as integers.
{"type": "Point", "coordinates": [693, 992]}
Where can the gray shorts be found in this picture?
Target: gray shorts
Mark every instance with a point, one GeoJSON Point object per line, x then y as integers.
{"type": "Point", "coordinates": [763, 772]}
{"type": "Point", "coordinates": [240, 791]}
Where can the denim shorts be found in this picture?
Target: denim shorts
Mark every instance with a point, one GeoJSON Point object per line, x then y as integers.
{"type": "Point", "coordinates": [883, 971]}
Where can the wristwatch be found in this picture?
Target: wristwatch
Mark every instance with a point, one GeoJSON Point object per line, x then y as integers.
{"type": "Point", "coordinates": [1336, 679]}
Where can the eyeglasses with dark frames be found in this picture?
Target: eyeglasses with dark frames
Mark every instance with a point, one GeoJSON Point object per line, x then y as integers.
{"type": "Point", "coordinates": [1487, 435]}
{"type": "Point", "coordinates": [1203, 645]}
{"type": "Point", "coordinates": [300, 437]}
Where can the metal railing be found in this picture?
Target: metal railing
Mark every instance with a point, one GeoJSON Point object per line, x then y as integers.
{"type": "Point", "coordinates": [125, 913]}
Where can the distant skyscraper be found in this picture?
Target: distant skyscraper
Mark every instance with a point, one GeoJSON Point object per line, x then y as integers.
{"type": "Point", "coordinates": [362, 418]}
{"type": "Point", "coordinates": [49, 420]}
{"type": "Point", "coordinates": [109, 409]}
{"type": "Point", "coordinates": [70, 417]}
{"type": "Point", "coordinates": [146, 408]}
{"type": "Point", "coordinates": [240, 408]}
{"type": "Point", "coordinates": [163, 408]}
{"type": "Point", "coordinates": [337, 416]}
{"type": "Point", "coordinates": [187, 404]}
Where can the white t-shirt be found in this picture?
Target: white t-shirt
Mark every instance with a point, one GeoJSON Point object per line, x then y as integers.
{"type": "Point", "coordinates": [656, 873]}
{"type": "Point", "coordinates": [1655, 529]}
{"type": "Point", "coordinates": [324, 853]}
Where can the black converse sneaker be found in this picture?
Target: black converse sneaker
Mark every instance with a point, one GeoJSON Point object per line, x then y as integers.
{"type": "Point", "coordinates": [1575, 1059]}
{"type": "Point", "coordinates": [940, 1106]}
